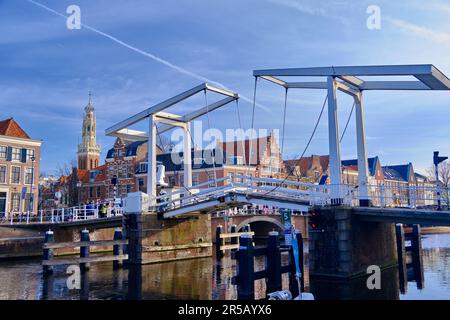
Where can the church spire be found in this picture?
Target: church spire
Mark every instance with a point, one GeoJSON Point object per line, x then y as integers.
{"type": "Point", "coordinates": [88, 149]}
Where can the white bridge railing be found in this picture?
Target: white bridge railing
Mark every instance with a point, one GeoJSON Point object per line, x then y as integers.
{"type": "Point", "coordinates": [59, 215]}
{"type": "Point", "coordinates": [409, 196]}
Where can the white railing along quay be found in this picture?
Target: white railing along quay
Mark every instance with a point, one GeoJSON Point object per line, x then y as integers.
{"type": "Point", "coordinates": [59, 215]}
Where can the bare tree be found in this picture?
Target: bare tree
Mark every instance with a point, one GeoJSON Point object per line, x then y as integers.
{"type": "Point", "coordinates": [65, 169]}
{"type": "Point", "coordinates": [444, 177]}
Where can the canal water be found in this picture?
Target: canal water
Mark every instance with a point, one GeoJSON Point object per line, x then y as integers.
{"type": "Point", "coordinates": [205, 279]}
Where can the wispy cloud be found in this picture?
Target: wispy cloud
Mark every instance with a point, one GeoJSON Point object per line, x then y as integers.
{"type": "Point", "coordinates": [313, 9]}
{"type": "Point", "coordinates": [149, 55]}
{"type": "Point", "coordinates": [422, 31]}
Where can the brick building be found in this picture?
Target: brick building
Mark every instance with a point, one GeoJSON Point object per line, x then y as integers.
{"type": "Point", "coordinates": [19, 169]}
{"type": "Point", "coordinates": [232, 158]}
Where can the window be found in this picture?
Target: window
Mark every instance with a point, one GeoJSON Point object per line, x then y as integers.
{"type": "Point", "coordinates": [129, 188]}
{"type": "Point", "coordinates": [141, 184]}
{"type": "Point", "coordinates": [16, 154]}
{"type": "Point", "coordinates": [30, 154]}
{"type": "Point", "coordinates": [2, 174]}
{"type": "Point", "coordinates": [91, 192]}
{"type": "Point", "coordinates": [123, 172]}
{"type": "Point", "coordinates": [143, 167]}
{"type": "Point", "coordinates": [15, 202]}
{"type": "Point", "coordinates": [98, 192]}
{"type": "Point", "coordinates": [236, 160]}
{"type": "Point", "coordinates": [195, 180]}
{"type": "Point", "coordinates": [29, 176]}
{"type": "Point", "coordinates": [3, 152]}
{"type": "Point", "coordinates": [15, 174]}
{"type": "Point", "coordinates": [27, 202]}
{"type": "Point", "coordinates": [211, 178]}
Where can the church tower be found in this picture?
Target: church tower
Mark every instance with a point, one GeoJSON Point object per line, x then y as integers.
{"type": "Point", "coordinates": [88, 149]}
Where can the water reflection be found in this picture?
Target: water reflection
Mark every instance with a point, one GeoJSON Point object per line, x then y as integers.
{"type": "Point", "coordinates": [205, 279]}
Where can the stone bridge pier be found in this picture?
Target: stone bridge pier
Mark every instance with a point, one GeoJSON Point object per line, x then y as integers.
{"type": "Point", "coordinates": [153, 240]}
{"type": "Point", "coordinates": [343, 246]}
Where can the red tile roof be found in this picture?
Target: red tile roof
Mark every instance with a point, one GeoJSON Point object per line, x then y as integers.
{"type": "Point", "coordinates": [11, 128]}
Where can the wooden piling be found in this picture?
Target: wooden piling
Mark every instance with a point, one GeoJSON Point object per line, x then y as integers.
{"type": "Point", "coordinates": [84, 250]}
{"type": "Point", "coordinates": [273, 263]}
{"type": "Point", "coordinates": [117, 248]}
{"type": "Point", "coordinates": [416, 254]}
{"type": "Point", "coordinates": [246, 286]}
{"type": "Point", "coordinates": [234, 240]}
{"type": "Point", "coordinates": [219, 252]}
{"type": "Point", "coordinates": [48, 253]}
{"type": "Point", "coordinates": [401, 258]}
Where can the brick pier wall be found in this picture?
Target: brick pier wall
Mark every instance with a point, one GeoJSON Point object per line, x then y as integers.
{"type": "Point", "coordinates": [346, 246]}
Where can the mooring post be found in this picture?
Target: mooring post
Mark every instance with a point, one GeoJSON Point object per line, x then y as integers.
{"type": "Point", "coordinates": [273, 263]}
{"type": "Point", "coordinates": [293, 283]}
{"type": "Point", "coordinates": [401, 257]}
{"type": "Point", "coordinates": [84, 250]}
{"type": "Point", "coordinates": [246, 285]}
{"type": "Point", "coordinates": [117, 248]}
{"type": "Point", "coordinates": [48, 253]}
{"type": "Point", "coordinates": [301, 255]}
{"type": "Point", "coordinates": [219, 252]}
{"type": "Point", "coordinates": [234, 240]}
{"type": "Point", "coordinates": [416, 244]}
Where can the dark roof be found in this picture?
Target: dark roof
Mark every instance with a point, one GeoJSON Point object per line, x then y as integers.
{"type": "Point", "coordinates": [398, 172]}
{"type": "Point", "coordinates": [169, 160]}
{"type": "Point", "coordinates": [130, 150]}
{"type": "Point", "coordinates": [421, 176]}
{"type": "Point", "coordinates": [372, 162]}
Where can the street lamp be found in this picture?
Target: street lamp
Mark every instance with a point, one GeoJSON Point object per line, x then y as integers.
{"type": "Point", "coordinates": [30, 203]}
{"type": "Point", "coordinates": [436, 161]}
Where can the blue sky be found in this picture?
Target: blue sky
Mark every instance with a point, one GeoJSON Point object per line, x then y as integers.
{"type": "Point", "coordinates": [47, 70]}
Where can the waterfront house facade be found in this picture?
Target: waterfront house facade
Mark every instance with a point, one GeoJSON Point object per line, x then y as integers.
{"type": "Point", "coordinates": [19, 169]}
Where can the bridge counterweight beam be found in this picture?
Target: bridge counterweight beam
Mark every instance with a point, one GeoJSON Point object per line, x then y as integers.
{"type": "Point", "coordinates": [151, 161]}
{"type": "Point", "coordinates": [187, 157]}
{"type": "Point", "coordinates": [334, 147]}
{"type": "Point", "coordinates": [363, 167]}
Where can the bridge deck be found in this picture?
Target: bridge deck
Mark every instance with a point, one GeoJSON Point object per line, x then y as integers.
{"type": "Point", "coordinates": [403, 215]}
{"type": "Point", "coordinates": [236, 199]}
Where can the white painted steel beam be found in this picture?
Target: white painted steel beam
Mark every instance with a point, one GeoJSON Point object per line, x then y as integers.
{"type": "Point", "coordinates": [151, 160]}
{"type": "Point", "coordinates": [363, 166]}
{"type": "Point", "coordinates": [334, 145]}
{"type": "Point", "coordinates": [427, 74]}
{"type": "Point", "coordinates": [155, 109]}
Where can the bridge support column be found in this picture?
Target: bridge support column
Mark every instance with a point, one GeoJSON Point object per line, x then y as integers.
{"type": "Point", "coordinates": [344, 247]}
{"type": "Point", "coordinates": [334, 145]}
{"type": "Point", "coordinates": [363, 167]}
{"type": "Point", "coordinates": [151, 240]}
{"type": "Point", "coordinates": [151, 160]}
{"type": "Point", "coordinates": [187, 157]}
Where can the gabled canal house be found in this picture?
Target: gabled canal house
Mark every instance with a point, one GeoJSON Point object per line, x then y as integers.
{"type": "Point", "coordinates": [19, 169]}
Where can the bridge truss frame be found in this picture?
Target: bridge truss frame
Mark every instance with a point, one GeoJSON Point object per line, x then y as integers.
{"type": "Point", "coordinates": [155, 115]}
{"type": "Point", "coordinates": [347, 79]}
